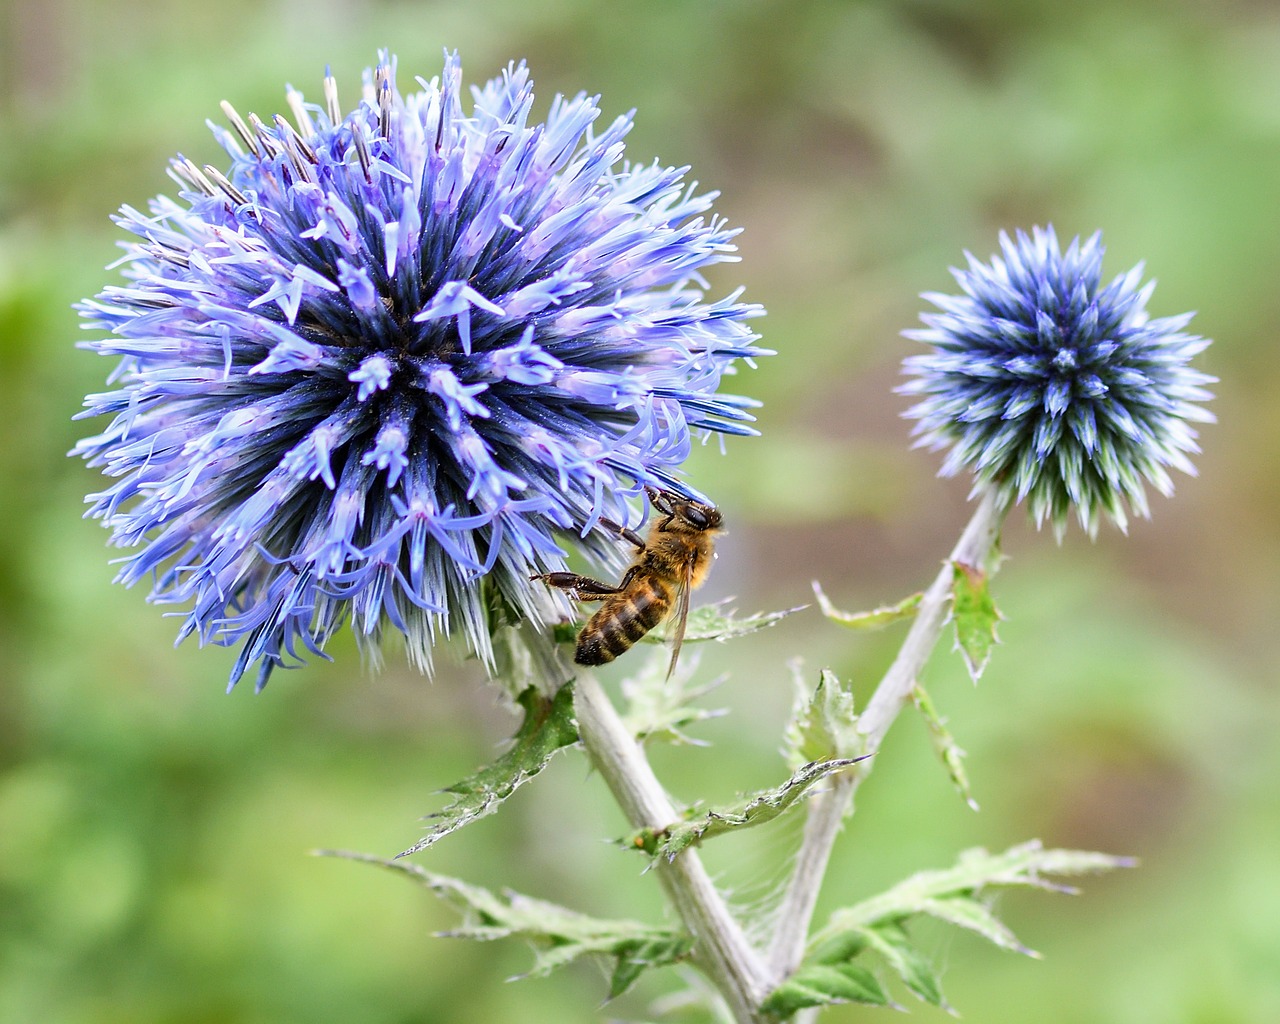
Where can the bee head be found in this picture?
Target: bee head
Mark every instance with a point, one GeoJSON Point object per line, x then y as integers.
{"type": "Point", "coordinates": [695, 514]}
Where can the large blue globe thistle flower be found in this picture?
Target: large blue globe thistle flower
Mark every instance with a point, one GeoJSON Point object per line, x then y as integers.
{"type": "Point", "coordinates": [386, 355]}
{"type": "Point", "coordinates": [1051, 387]}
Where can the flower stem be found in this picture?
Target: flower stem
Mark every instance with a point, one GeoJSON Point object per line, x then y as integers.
{"type": "Point", "coordinates": [721, 948]}
{"type": "Point", "coordinates": [828, 810]}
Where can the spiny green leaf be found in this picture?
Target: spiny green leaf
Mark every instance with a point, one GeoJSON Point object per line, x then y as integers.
{"type": "Point", "coordinates": [715, 622]}
{"type": "Point", "coordinates": [824, 985]}
{"type": "Point", "coordinates": [966, 912]}
{"type": "Point", "coordinates": [953, 895]}
{"type": "Point", "coordinates": [837, 947]}
{"type": "Point", "coordinates": [1028, 863]}
{"type": "Point", "coordinates": [634, 956]}
{"type": "Point", "coordinates": [708, 622]}
{"type": "Point", "coordinates": [548, 726]}
{"type": "Point", "coordinates": [911, 965]}
{"type": "Point", "coordinates": [839, 950]}
{"type": "Point", "coordinates": [754, 809]}
{"type": "Point", "coordinates": [943, 743]}
{"type": "Point", "coordinates": [822, 724]}
{"type": "Point", "coordinates": [558, 935]}
{"type": "Point", "coordinates": [877, 618]}
{"type": "Point", "coordinates": [976, 871]}
{"type": "Point", "coordinates": [661, 708]}
{"type": "Point", "coordinates": [975, 615]}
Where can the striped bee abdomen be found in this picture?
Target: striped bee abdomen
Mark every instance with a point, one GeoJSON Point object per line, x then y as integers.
{"type": "Point", "coordinates": [622, 620]}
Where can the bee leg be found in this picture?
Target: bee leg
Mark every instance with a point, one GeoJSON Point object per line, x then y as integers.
{"type": "Point", "coordinates": [583, 588]}
{"type": "Point", "coordinates": [630, 536]}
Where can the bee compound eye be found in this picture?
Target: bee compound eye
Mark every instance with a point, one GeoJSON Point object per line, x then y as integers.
{"type": "Point", "coordinates": [695, 516]}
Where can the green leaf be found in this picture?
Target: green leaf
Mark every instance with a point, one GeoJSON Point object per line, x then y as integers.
{"type": "Point", "coordinates": [548, 726]}
{"type": "Point", "coordinates": [943, 743]}
{"type": "Point", "coordinates": [715, 622]}
{"type": "Point", "coordinates": [952, 894]}
{"type": "Point", "coordinates": [975, 615]}
{"type": "Point", "coordinates": [661, 708]}
{"type": "Point", "coordinates": [892, 943]}
{"type": "Point", "coordinates": [754, 809]}
{"type": "Point", "coordinates": [837, 947]}
{"type": "Point", "coordinates": [823, 723]}
{"type": "Point", "coordinates": [559, 935]}
{"type": "Point", "coordinates": [877, 618]}
{"type": "Point", "coordinates": [966, 912]}
{"type": "Point", "coordinates": [825, 985]}
{"type": "Point", "coordinates": [634, 956]}
{"type": "Point", "coordinates": [911, 965]}
{"type": "Point", "coordinates": [707, 622]}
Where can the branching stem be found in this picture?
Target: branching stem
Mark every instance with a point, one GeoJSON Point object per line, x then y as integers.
{"type": "Point", "coordinates": [738, 970]}
{"type": "Point", "coordinates": [828, 810]}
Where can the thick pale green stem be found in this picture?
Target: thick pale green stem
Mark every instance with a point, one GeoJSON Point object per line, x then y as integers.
{"type": "Point", "coordinates": [828, 810]}
{"type": "Point", "coordinates": [732, 964]}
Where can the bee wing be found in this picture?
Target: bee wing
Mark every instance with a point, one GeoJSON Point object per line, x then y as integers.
{"type": "Point", "coordinates": [681, 617]}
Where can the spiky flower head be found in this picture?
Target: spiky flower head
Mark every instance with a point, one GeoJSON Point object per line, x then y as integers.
{"type": "Point", "coordinates": [1055, 388]}
{"type": "Point", "coordinates": [386, 355]}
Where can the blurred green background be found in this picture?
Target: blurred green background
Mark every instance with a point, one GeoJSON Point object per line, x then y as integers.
{"type": "Point", "coordinates": [154, 832]}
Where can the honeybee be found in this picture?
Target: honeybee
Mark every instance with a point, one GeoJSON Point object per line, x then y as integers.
{"type": "Point", "coordinates": [673, 561]}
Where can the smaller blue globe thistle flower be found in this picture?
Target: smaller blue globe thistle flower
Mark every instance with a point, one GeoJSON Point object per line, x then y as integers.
{"type": "Point", "coordinates": [374, 369]}
{"type": "Point", "coordinates": [1056, 389]}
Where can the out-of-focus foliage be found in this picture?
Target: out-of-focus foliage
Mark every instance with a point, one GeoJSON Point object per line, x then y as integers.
{"type": "Point", "coordinates": [153, 831]}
